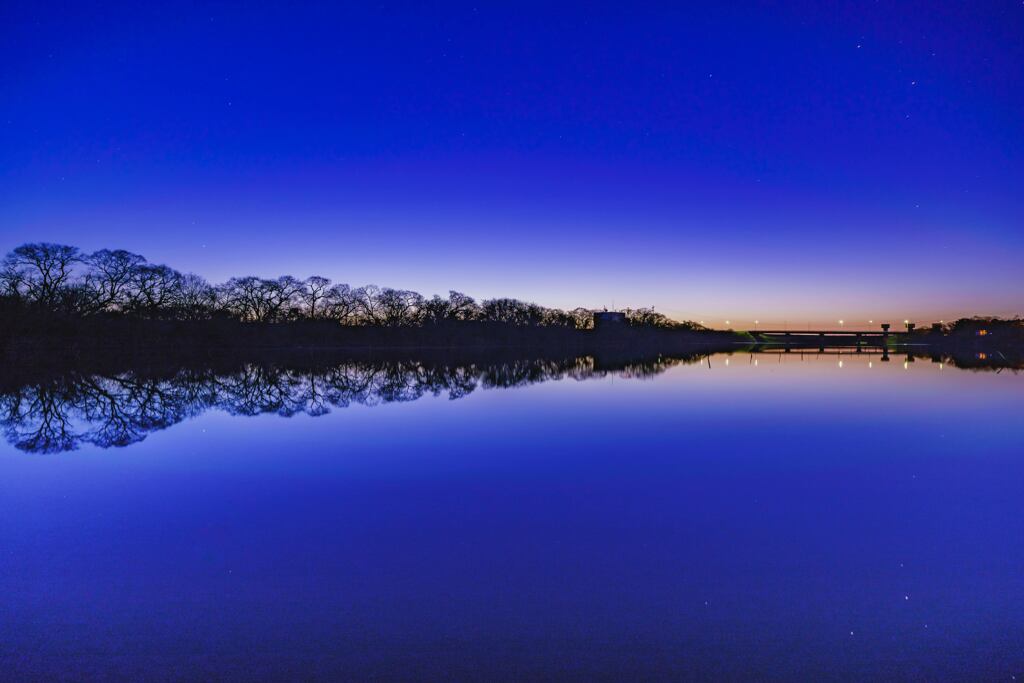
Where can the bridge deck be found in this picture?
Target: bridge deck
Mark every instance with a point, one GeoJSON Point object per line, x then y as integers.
{"type": "Point", "coordinates": [830, 333]}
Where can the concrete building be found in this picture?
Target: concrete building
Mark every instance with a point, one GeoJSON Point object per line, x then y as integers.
{"type": "Point", "coordinates": [605, 320]}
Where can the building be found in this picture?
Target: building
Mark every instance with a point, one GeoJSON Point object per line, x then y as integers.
{"type": "Point", "coordinates": [609, 320]}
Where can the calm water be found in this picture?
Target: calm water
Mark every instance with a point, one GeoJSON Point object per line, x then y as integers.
{"type": "Point", "coordinates": [734, 517]}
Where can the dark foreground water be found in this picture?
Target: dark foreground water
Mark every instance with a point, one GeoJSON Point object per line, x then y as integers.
{"type": "Point", "coordinates": [765, 517]}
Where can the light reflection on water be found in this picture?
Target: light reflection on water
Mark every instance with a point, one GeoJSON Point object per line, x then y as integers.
{"type": "Point", "coordinates": [66, 411]}
{"type": "Point", "coordinates": [768, 516]}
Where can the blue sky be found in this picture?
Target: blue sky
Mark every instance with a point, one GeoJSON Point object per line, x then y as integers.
{"type": "Point", "coordinates": [795, 163]}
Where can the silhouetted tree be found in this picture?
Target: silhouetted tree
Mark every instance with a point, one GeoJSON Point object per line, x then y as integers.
{"type": "Point", "coordinates": [512, 312]}
{"type": "Point", "coordinates": [153, 290]}
{"type": "Point", "coordinates": [259, 300]}
{"type": "Point", "coordinates": [39, 271]}
{"type": "Point", "coordinates": [110, 276]}
{"type": "Point", "coordinates": [196, 299]}
{"type": "Point", "coordinates": [367, 306]}
{"type": "Point", "coordinates": [583, 318]}
{"type": "Point", "coordinates": [462, 307]}
{"type": "Point", "coordinates": [12, 280]}
{"type": "Point", "coordinates": [58, 279]}
{"type": "Point", "coordinates": [398, 307]}
{"type": "Point", "coordinates": [340, 304]}
{"type": "Point", "coordinates": [314, 294]}
{"type": "Point", "coordinates": [457, 307]}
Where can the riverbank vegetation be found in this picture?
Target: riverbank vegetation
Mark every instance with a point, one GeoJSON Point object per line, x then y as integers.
{"type": "Point", "coordinates": [56, 297]}
{"type": "Point", "coordinates": [57, 292]}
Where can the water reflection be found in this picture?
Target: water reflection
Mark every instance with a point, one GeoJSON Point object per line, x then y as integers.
{"type": "Point", "coordinates": [66, 411]}
{"type": "Point", "coordinates": [115, 409]}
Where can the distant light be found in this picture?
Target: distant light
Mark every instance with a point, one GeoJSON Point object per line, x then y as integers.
{"type": "Point", "coordinates": [840, 322]}
{"type": "Point", "coordinates": [906, 322]}
{"type": "Point", "coordinates": [726, 361]}
{"type": "Point", "coordinates": [871, 364]}
{"type": "Point", "coordinates": [871, 322]}
{"type": "Point", "coordinates": [906, 365]}
{"type": "Point", "coordinates": [840, 363]}
{"type": "Point", "coordinates": [726, 322]}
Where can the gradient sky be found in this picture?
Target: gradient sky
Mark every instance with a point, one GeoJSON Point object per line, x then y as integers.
{"type": "Point", "coordinates": [799, 163]}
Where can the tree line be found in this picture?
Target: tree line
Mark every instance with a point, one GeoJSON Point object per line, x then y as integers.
{"type": "Point", "coordinates": [61, 279]}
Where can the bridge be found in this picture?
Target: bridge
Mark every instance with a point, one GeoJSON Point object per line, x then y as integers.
{"type": "Point", "coordinates": [823, 338]}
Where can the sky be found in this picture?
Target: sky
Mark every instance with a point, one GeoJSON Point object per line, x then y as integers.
{"type": "Point", "coordinates": [791, 164]}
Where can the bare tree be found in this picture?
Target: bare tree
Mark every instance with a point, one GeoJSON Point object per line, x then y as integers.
{"type": "Point", "coordinates": [153, 289]}
{"type": "Point", "coordinates": [399, 307]}
{"type": "Point", "coordinates": [340, 304]}
{"type": "Point", "coordinates": [648, 317]}
{"type": "Point", "coordinates": [314, 295]}
{"type": "Point", "coordinates": [435, 310]}
{"type": "Point", "coordinates": [12, 280]}
{"type": "Point", "coordinates": [513, 312]}
{"type": "Point", "coordinates": [42, 269]}
{"type": "Point", "coordinates": [196, 299]}
{"type": "Point", "coordinates": [367, 306]}
{"type": "Point", "coordinates": [583, 318]}
{"type": "Point", "coordinates": [258, 300]}
{"type": "Point", "coordinates": [110, 276]}
{"type": "Point", "coordinates": [240, 296]}
{"type": "Point", "coordinates": [462, 307]}
{"type": "Point", "coordinates": [457, 307]}
{"type": "Point", "coordinates": [285, 296]}
{"type": "Point", "coordinates": [122, 282]}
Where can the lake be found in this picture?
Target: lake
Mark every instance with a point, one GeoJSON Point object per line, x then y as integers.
{"type": "Point", "coordinates": [768, 516]}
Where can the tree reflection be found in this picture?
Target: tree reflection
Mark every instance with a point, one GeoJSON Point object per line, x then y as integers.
{"type": "Point", "coordinates": [119, 409]}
